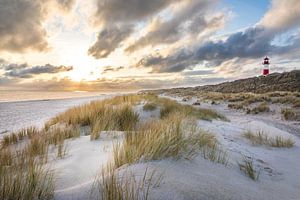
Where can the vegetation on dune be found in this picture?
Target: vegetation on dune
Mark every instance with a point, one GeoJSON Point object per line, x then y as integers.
{"type": "Point", "coordinates": [236, 106]}
{"type": "Point", "coordinates": [289, 114]}
{"type": "Point", "coordinates": [261, 108]}
{"type": "Point", "coordinates": [23, 174]}
{"type": "Point", "coordinates": [248, 168]}
{"type": "Point", "coordinates": [170, 106]}
{"type": "Point", "coordinates": [113, 185]}
{"type": "Point", "coordinates": [261, 138]}
{"type": "Point", "coordinates": [121, 118]}
{"type": "Point", "coordinates": [174, 136]}
{"type": "Point", "coordinates": [111, 114]}
{"type": "Point", "coordinates": [149, 106]}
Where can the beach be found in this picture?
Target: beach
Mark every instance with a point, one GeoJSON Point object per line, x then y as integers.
{"type": "Point", "coordinates": [25, 109]}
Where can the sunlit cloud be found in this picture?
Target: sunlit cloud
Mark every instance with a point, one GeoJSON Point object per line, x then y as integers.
{"type": "Point", "coordinates": [131, 45]}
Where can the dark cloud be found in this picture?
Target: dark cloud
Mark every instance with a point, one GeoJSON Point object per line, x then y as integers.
{"type": "Point", "coordinates": [128, 11]}
{"type": "Point", "coordinates": [25, 71]}
{"type": "Point", "coordinates": [21, 23]}
{"type": "Point", "coordinates": [108, 40]}
{"type": "Point", "coordinates": [253, 42]}
{"type": "Point", "coordinates": [191, 20]}
{"type": "Point", "coordinates": [176, 62]}
{"type": "Point", "coordinates": [108, 69]}
{"type": "Point", "coordinates": [116, 18]}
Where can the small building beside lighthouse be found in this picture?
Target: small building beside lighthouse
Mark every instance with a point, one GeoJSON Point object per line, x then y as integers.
{"type": "Point", "coordinates": [266, 66]}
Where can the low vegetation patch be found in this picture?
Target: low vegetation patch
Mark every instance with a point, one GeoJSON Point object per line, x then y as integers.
{"type": "Point", "coordinates": [14, 138]}
{"type": "Point", "coordinates": [23, 176]}
{"type": "Point", "coordinates": [261, 108]}
{"type": "Point", "coordinates": [173, 137]}
{"type": "Point", "coordinates": [106, 115]}
{"type": "Point", "coordinates": [236, 106]}
{"type": "Point", "coordinates": [149, 106]}
{"type": "Point", "coordinates": [248, 168]}
{"type": "Point", "coordinates": [113, 185]}
{"type": "Point", "coordinates": [261, 138]}
{"type": "Point", "coordinates": [23, 170]}
{"type": "Point", "coordinates": [289, 114]}
{"type": "Point", "coordinates": [170, 106]}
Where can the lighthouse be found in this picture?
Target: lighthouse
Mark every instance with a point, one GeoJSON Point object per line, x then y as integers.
{"type": "Point", "coordinates": [266, 65]}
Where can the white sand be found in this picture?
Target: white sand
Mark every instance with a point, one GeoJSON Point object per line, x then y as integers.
{"type": "Point", "coordinates": [198, 178]}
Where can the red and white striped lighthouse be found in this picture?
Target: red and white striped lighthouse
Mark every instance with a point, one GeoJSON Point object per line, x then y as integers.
{"type": "Point", "coordinates": [266, 66]}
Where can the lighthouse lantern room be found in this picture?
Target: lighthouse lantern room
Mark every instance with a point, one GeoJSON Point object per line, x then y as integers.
{"type": "Point", "coordinates": [266, 66]}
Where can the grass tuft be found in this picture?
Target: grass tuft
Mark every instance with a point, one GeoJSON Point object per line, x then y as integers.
{"type": "Point", "coordinates": [289, 114]}
{"type": "Point", "coordinates": [263, 139]}
{"type": "Point", "coordinates": [169, 107]}
{"type": "Point", "coordinates": [22, 176]}
{"type": "Point", "coordinates": [149, 106]}
{"type": "Point", "coordinates": [174, 136]}
{"type": "Point", "coordinates": [248, 168]}
{"type": "Point", "coordinates": [261, 108]}
{"type": "Point", "coordinates": [112, 185]}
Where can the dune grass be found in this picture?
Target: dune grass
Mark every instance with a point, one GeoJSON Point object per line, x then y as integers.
{"type": "Point", "coordinates": [260, 138]}
{"type": "Point", "coordinates": [261, 108]}
{"type": "Point", "coordinates": [149, 106]}
{"type": "Point", "coordinates": [22, 176]}
{"type": "Point", "coordinates": [23, 170]}
{"type": "Point", "coordinates": [170, 106]}
{"type": "Point", "coordinates": [14, 138]}
{"type": "Point", "coordinates": [23, 167]}
{"type": "Point", "coordinates": [113, 185]}
{"type": "Point", "coordinates": [248, 168]}
{"type": "Point", "coordinates": [290, 114]}
{"type": "Point", "coordinates": [110, 114]}
{"type": "Point", "coordinates": [174, 137]}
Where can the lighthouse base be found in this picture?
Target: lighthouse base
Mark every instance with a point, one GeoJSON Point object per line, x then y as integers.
{"type": "Point", "coordinates": [266, 72]}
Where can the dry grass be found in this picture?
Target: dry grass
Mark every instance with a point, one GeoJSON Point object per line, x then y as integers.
{"type": "Point", "coordinates": [149, 106]}
{"type": "Point", "coordinates": [236, 106]}
{"type": "Point", "coordinates": [14, 138]}
{"type": "Point", "coordinates": [113, 185]}
{"type": "Point", "coordinates": [261, 108]}
{"type": "Point", "coordinates": [22, 176]}
{"type": "Point", "coordinates": [247, 167]}
{"type": "Point", "coordinates": [110, 114]}
{"type": "Point", "coordinates": [261, 138]}
{"type": "Point", "coordinates": [173, 137]}
{"type": "Point", "coordinates": [289, 114]}
{"type": "Point", "coordinates": [170, 106]}
{"type": "Point", "coordinates": [120, 118]}
{"type": "Point", "coordinates": [23, 173]}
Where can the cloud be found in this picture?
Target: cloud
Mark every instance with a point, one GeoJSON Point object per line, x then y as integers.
{"type": "Point", "coordinates": [282, 15]}
{"type": "Point", "coordinates": [128, 11]}
{"type": "Point", "coordinates": [117, 19]}
{"type": "Point", "coordinates": [176, 62]}
{"type": "Point", "coordinates": [66, 84]}
{"type": "Point", "coordinates": [65, 5]}
{"type": "Point", "coordinates": [108, 40]}
{"type": "Point", "coordinates": [108, 69]}
{"type": "Point", "coordinates": [21, 23]}
{"type": "Point", "coordinates": [252, 43]}
{"type": "Point", "coordinates": [190, 20]}
{"type": "Point", "coordinates": [25, 71]}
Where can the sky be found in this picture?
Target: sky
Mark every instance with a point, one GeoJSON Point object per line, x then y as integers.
{"type": "Point", "coordinates": [126, 45]}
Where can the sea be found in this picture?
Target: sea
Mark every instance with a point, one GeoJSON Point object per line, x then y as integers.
{"type": "Point", "coordinates": [21, 109]}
